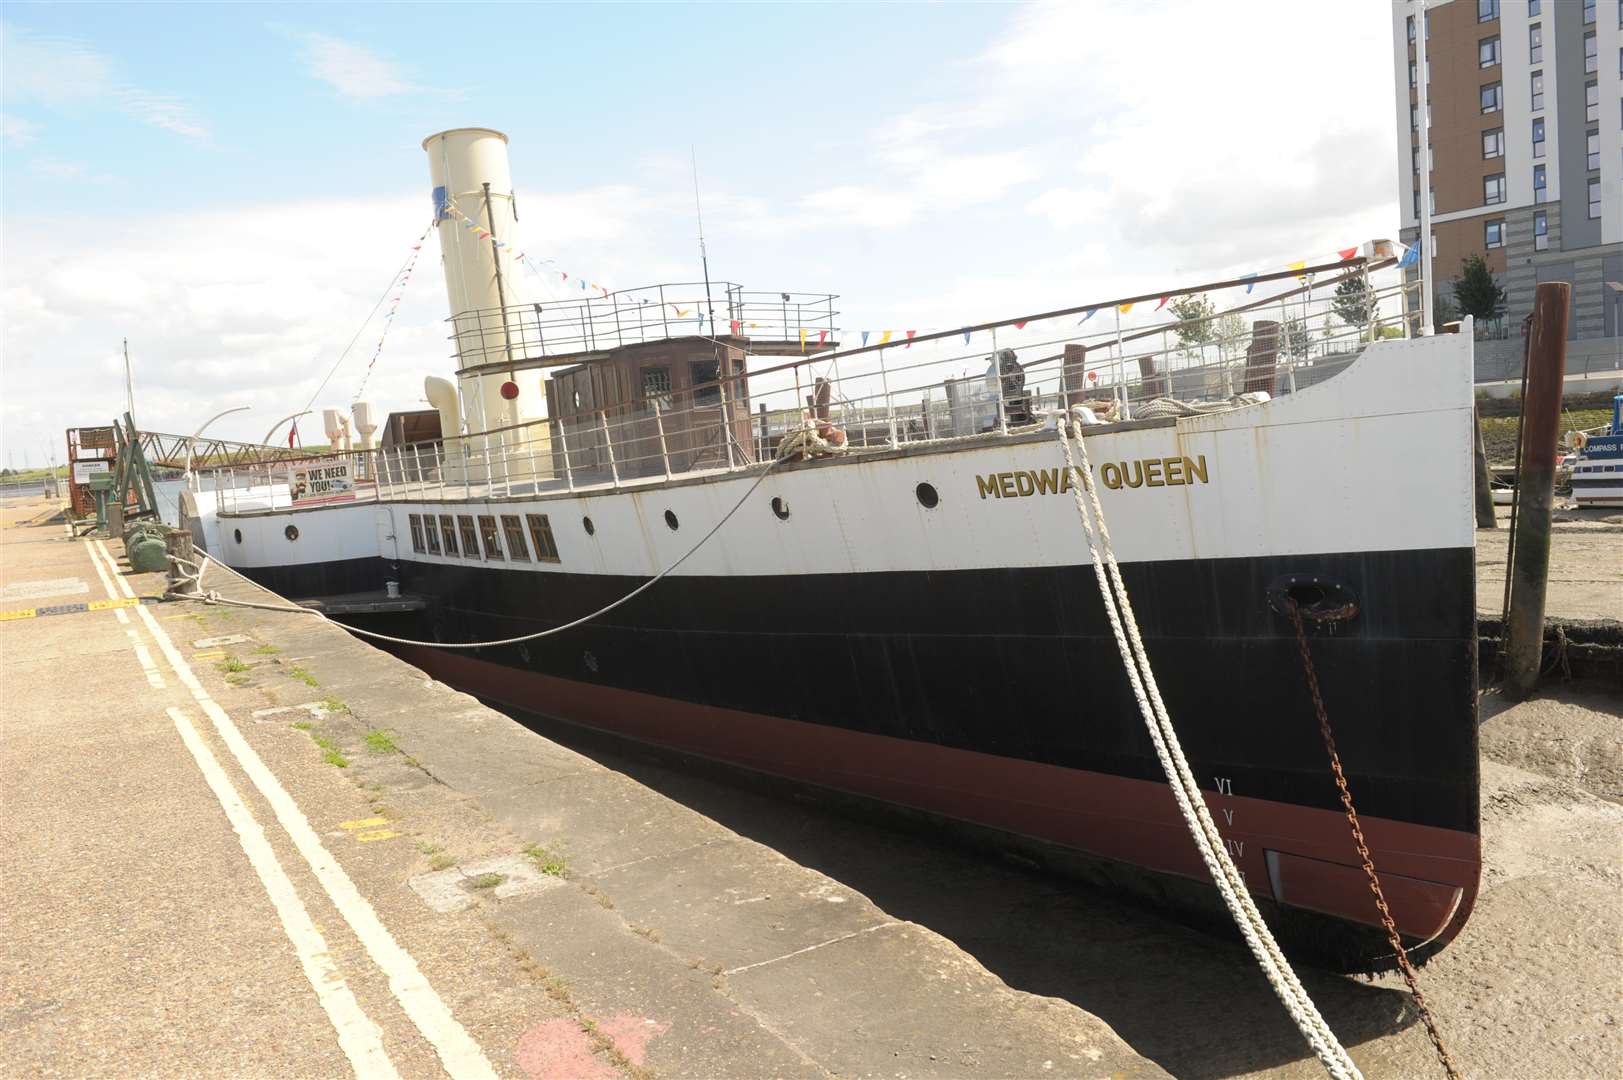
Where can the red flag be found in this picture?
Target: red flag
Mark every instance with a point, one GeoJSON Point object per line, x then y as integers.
{"type": "Point", "coordinates": [738, 324]}
{"type": "Point", "coordinates": [1347, 253]}
{"type": "Point", "coordinates": [1020, 325]}
{"type": "Point", "coordinates": [1163, 303]}
{"type": "Point", "coordinates": [822, 336]}
{"type": "Point", "coordinates": [292, 431]}
{"type": "Point", "coordinates": [910, 334]}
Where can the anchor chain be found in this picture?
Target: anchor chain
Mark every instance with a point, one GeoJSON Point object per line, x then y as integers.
{"type": "Point", "coordinates": [1404, 964]}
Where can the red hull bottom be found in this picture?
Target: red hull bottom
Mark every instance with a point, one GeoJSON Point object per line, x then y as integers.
{"type": "Point", "coordinates": [1301, 858]}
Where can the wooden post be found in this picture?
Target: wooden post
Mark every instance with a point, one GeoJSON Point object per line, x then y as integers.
{"type": "Point", "coordinates": [1523, 634]}
{"type": "Point", "coordinates": [1485, 516]}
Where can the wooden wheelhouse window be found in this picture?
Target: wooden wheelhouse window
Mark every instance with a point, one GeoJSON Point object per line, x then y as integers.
{"type": "Point", "coordinates": [492, 539]}
{"type": "Point", "coordinates": [517, 550]}
{"type": "Point", "coordinates": [546, 548]}
{"type": "Point", "coordinates": [416, 521]}
{"type": "Point", "coordinates": [448, 531]}
{"type": "Point", "coordinates": [431, 533]}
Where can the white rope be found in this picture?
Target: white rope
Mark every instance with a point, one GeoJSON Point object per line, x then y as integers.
{"type": "Point", "coordinates": [213, 597]}
{"type": "Point", "coordinates": [1186, 792]}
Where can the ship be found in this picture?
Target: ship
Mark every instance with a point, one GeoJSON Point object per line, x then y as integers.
{"type": "Point", "coordinates": [716, 521]}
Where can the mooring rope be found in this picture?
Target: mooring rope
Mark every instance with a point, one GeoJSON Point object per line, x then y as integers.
{"type": "Point", "coordinates": [1185, 791]}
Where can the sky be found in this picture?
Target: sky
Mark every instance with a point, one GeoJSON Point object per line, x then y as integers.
{"type": "Point", "coordinates": [231, 187]}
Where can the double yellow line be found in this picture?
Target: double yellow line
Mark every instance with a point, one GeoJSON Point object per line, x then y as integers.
{"type": "Point", "coordinates": [74, 609]}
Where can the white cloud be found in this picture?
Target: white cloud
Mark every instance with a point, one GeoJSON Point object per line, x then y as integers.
{"type": "Point", "coordinates": [16, 130]}
{"type": "Point", "coordinates": [58, 72]}
{"type": "Point", "coordinates": [353, 70]}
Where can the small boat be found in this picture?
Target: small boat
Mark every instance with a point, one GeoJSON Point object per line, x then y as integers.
{"type": "Point", "coordinates": [1597, 473]}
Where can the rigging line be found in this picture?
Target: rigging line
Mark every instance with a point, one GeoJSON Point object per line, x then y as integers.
{"type": "Point", "coordinates": [365, 323]}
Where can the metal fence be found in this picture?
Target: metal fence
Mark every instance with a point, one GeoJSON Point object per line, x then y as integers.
{"type": "Point", "coordinates": [882, 397]}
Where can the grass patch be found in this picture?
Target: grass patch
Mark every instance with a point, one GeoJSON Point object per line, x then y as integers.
{"type": "Point", "coordinates": [431, 849]}
{"type": "Point", "coordinates": [330, 753]}
{"type": "Point", "coordinates": [380, 742]}
{"type": "Point", "coordinates": [302, 676]}
{"type": "Point", "coordinates": [334, 706]}
{"type": "Point", "coordinates": [231, 665]}
{"type": "Point", "coordinates": [545, 861]}
{"type": "Point", "coordinates": [302, 725]}
{"type": "Point", "coordinates": [267, 650]}
{"type": "Point", "coordinates": [486, 881]}
{"type": "Point", "coordinates": [237, 679]}
{"type": "Point", "coordinates": [440, 861]}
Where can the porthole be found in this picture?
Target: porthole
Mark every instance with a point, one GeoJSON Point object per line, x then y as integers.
{"type": "Point", "coordinates": [670, 520]}
{"type": "Point", "coordinates": [236, 534]}
{"type": "Point", "coordinates": [586, 523]}
{"type": "Point", "coordinates": [927, 495]}
{"type": "Point", "coordinates": [291, 532]}
{"type": "Point", "coordinates": [780, 508]}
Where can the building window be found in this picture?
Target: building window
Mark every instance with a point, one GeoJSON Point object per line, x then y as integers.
{"type": "Point", "coordinates": [1591, 103]}
{"type": "Point", "coordinates": [1486, 10]}
{"type": "Point", "coordinates": [1592, 149]}
{"type": "Point", "coordinates": [431, 533]}
{"type": "Point", "coordinates": [1535, 43]}
{"type": "Point", "coordinates": [546, 549]}
{"type": "Point", "coordinates": [1538, 136]}
{"type": "Point", "coordinates": [1538, 90]}
{"type": "Point", "coordinates": [448, 533]}
{"type": "Point", "coordinates": [1535, 8]}
{"type": "Point", "coordinates": [1541, 230]}
{"type": "Point", "coordinates": [1413, 72]}
{"type": "Point", "coordinates": [1487, 52]}
{"type": "Point", "coordinates": [1493, 143]}
{"type": "Point", "coordinates": [1493, 97]}
{"type": "Point", "coordinates": [416, 521]}
{"type": "Point", "coordinates": [656, 386]}
{"type": "Point", "coordinates": [1591, 53]}
{"type": "Point", "coordinates": [1493, 189]}
{"type": "Point", "coordinates": [492, 539]}
{"type": "Point", "coordinates": [1540, 188]}
{"type": "Point", "coordinates": [1414, 118]}
{"type": "Point", "coordinates": [1589, 12]}
{"type": "Point", "coordinates": [1410, 24]}
{"type": "Point", "coordinates": [513, 529]}
{"type": "Point", "coordinates": [1594, 198]}
{"type": "Point", "coordinates": [470, 536]}
{"type": "Point", "coordinates": [1493, 234]}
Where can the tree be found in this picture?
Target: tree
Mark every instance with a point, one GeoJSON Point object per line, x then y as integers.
{"type": "Point", "coordinates": [1295, 338]}
{"type": "Point", "coordinates": [1475, 290]}
{"type": "Point", "coordinates": [1194, 314]}
{"type": "Point", "coordinates": [1355, 302]}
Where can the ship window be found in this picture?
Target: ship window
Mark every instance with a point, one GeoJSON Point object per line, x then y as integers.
{"type": "Point", "coordinates": [517, 550]}
{"type": "Point", "coordinates": [416, 521]}
{"type": "Point", "coordinates": [492, 538]}
{"type": "Point", "coordinates": [656, 386]}
{"type": "Point", "coordinates": [470, 536]}
{"type": "Point", "coordinates": [546, 548]}
{"type": "Point", "coordinates": [448, 531]}
{"type": "Point", "coordinates": [431, 533]}
{"type": "Point", "coordinates": [705, 371]}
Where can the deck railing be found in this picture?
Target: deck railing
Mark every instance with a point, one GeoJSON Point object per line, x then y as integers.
{"type": "Point", "coordinates": [882, 398]}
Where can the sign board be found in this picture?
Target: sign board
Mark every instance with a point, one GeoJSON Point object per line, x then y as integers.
{"type": "Point", "coordinates": [326, 482]}
{"type": "Point", "coordinates": [83, 470]}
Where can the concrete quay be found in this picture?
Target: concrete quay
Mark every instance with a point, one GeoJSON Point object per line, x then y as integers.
{"type": "Point", "coordinates": [576, 907]}
{"type": "Point", "coordinates": [245, 843]}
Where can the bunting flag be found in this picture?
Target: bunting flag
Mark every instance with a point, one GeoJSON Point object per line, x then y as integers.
{"type": "Point", "coordinates": [1092, 311]}
{"type": "Point", "coordinates": [398, 288]}
{"type": "Point", "coordinates": [885, 337]}
{"type": "Point", "coordinates": [1125, 308]}
{"type": "Point", "coordinates": [802, 341]}
{"type": "Point", "coordinates": [292, 433]}
{"type": "Point", "coordinates": [966, 337]}
{"type": "Point", "coordinates": [1410, 256]}
{"type": "Point", "coordinates": [1347, 253]}
{"type": "Point", "coordinates": [865, 337]}
{"type": "Point", "coordinates": [822, 336]}
{"type": "Point", "coordinates": [910, 334]}
{"type": "Point", "coordinates": [1299, 264]}
{"type": "Point", "coordinates": [1163, 303]}
{"type": "Point", "coordinates": [1250, 282]}
{"type": "Point", "coordinates": [737, 325]}
{"type": "Point", "coordinates": [1020, 325]}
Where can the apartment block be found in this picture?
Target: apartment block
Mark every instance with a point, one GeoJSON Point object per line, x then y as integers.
{"type": "Point", "coordinates": [1525, 163]}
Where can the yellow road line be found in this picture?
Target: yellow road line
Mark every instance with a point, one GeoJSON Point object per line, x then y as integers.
{"type": "Point", "coordinates": [363, 823]}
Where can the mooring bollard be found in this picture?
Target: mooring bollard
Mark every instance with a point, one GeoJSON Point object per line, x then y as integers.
{"type": "Point", "coordinates": [1522, 637]}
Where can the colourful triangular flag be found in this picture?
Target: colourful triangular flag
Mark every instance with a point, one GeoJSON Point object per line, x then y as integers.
{"type": "Point", "coordinates": [1250, 282]}
{"type": "Point", "coordinates": [1298, 265]}
{"type": "Point", "coordinates": [1125, 308]}
{"type": "Point", "coordinates": [1347, 253]}
{"type": "Point", "coordinates": [966, 337]}
{"type": "Point", "coordinates": [1092, 311]}
{"type": "Point", "coordinates": [910, 334]}
{"type": "Point", "coordinates": [865, 337]}
{"type": "Point", "coordinates": [885, 337]}
{"type": "Point", "coordinates": [1163, 303]}
{"type": "Point", "coordinates": [802, 340]}
{"type": "Point", "coordinates": [822, 336]}
{"type": "Point", "coordinates": [1021, 325]}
